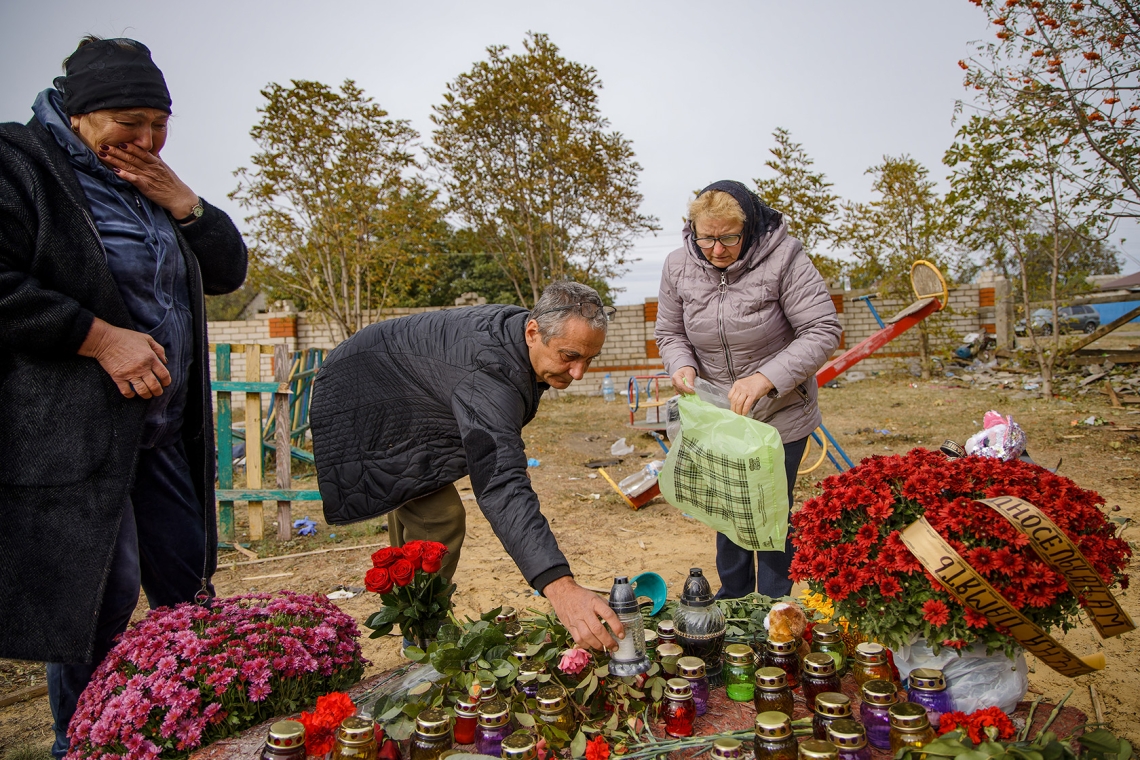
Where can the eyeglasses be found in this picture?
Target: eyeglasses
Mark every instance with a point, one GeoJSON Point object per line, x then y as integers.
{"type": "Point", "coordinates": [726, 240]}
{"type": "Point", "coordinates": [588, 310]}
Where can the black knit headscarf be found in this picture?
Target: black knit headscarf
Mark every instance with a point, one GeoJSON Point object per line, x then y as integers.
{"type": "Point", "coordinates": [759, 220]}
{"type": "Point", "coordinates": [117, 73]}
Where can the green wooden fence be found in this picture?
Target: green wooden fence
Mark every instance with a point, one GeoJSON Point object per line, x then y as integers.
{"type": "Point", "coordinates": [292, 378]}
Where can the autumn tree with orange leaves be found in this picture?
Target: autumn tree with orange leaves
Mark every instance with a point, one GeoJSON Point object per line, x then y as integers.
{"type": "Point", "coordinates": [1079, 62]}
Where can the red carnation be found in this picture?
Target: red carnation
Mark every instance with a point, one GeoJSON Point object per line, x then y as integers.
{"type": "Point", "coordinates": [386, 556]}
{"type": "Point", "coordinates": [433, 557]}
{"type": "Point", "coordinates": [402, 572]}
{"type": "Point", "coordinates": [413, 553]}
{"type": "Point", "coordinates": [378, 580]}
{"type": "Point", "coordinates": [935, 612]}
{"type": "Point", "coordinates": [597, 749]}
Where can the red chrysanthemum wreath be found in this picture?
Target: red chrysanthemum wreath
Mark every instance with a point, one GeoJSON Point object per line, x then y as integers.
{"type": "Point", "coordinates": [848, 546]}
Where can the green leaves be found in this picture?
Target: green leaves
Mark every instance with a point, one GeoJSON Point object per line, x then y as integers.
{"type": "Point", "coordinates": [533, 171]}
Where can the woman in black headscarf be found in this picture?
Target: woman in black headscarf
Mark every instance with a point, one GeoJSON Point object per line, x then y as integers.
{"type": "Point", "coordinates": [742, 306]}
{"type": "Point", "coordinates": [105, 425]}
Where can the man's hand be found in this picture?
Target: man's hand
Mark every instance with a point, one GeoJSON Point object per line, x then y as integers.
{"type": "Point", "coordinates": [579, 609]}
{"type": "Point", "coordinates": [747, 391]}
{"type": "Point", "coordinates": [133, 359]}
{"type": "Point", "coordinates": [684, 380]}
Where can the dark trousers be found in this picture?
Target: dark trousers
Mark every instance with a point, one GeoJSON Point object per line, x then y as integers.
{"type": "Point", "coordinates": [743, 571]}
{"type": "Point", "coordinates": [162, 546]}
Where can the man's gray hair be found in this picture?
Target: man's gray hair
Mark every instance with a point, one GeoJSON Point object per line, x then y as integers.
{"type": "Point", "coordinates": [558, 303]}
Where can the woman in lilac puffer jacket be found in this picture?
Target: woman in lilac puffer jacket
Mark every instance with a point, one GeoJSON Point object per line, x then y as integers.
{"type": "Point", "coordinates": [742, 306]}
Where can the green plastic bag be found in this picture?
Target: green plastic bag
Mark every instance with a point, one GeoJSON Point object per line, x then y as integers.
{"type": "Point", "coordinates": [727, 471]}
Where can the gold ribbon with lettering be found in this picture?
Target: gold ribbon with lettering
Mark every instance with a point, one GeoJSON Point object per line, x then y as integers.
{"type": "Point", "coordinates": [1060, 553]}
{"type": "Point", "coordinates": [968, 587]}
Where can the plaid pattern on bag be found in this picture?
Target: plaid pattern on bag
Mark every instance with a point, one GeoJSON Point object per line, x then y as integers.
{"type": "Point", "coordinates": [720, 484]}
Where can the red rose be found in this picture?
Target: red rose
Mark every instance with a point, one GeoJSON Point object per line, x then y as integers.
{"type": "Point", "coordinates": [433, 557]}
{"type": "Point", "coordinates": [402, 572]}
{"type": "Point", "coordinates": [413, 553]}
{"type": "Point", "coordinates": [378, 580]}
{"type": "Point", "coordinates": [386, 556]}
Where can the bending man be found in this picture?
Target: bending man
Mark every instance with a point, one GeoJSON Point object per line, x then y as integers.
{"type": "Point", "coordinates": [405, 407]}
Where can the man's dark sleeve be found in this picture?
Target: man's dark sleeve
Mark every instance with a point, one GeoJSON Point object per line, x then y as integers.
{"type": "Point", "coordinates": [219, 248]}
{"type": "Point", "coordinates": [490, 412]}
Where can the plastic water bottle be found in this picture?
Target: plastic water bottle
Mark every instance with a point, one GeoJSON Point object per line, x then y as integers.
{"type": "Point", "coordinates": [608, 387]}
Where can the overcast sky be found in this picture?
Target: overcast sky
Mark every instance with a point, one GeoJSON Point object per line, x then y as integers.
{"type": "Point", "coordinates": [697, 87]}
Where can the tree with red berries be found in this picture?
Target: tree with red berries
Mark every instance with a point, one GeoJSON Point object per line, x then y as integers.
{"type": "Point", "coordinates": [1080, 63]}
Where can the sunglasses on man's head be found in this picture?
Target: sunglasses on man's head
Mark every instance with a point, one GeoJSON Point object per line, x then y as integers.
{"type": "Point", "coordinates": [588, 309]}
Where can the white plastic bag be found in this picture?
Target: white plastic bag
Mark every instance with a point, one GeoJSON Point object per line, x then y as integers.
{"type": "Point", "coordinates": [974, 679]}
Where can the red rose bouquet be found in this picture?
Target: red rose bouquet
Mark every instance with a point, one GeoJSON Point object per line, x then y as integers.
{"type": "Point", "coordinates": [848, 546]}
{"type": "Point", "coordinates": [415, 596]}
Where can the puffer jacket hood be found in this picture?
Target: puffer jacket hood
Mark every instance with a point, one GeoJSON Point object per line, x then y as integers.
{"type": "Point", "coordinates": [768, 312]}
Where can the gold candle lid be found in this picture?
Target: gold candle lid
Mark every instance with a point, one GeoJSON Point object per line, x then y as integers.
{"type": "Point", "coordinates": [551, 698]}
{"type": "Point", "coordinates": [818, 749]}
{"type": "Point", "coordinates": [927, 679]}
{"type": "Point", "coordinates": [531, 667]}
{"type": "Point", "coordinates": [879, 692]}
{"type": "Point", "coordinates": [771, 679]}
{"type": "Point", "coordinates": [669, 649]}
{"type": "Point", "coordinates": [739, 654]}
{"type": "Point", "coordinates": [506, 615]}
{"type": "Point", "coordinates": [355, 730]}
{"type": "Point", "coordinates": [650, 638]}
{"type": "Point", "coordinates": [286, 733]}
{"type": "Point", "coordinates": [512, 630]}
{"type": "Point", "coordinates": [433, 722]}
{"type": "Point", "coordinates": [847, 734]}
{"type": "Point", "coordinates": [519, 648]}
{"type": "Point", "coordinates": [832, 704]}
{"type": "Point", "coordinates": [726, 749]}
{"type": "Point", "coordinates": [467, 707]}
{"type": "Point", "coordinates": [870, 653]}
{"type": "Point", "coordinates": [819, 664]}
{"type": "Point", "coordinates": [678, 689]}
{"type": "Point", "coordinates": [773, 724]}
{"type": "Point", "coordinates": [488, 693]}
{"type": "Point", "coordinates": [782, 647]}
{"type": "Point", "coordinates": [826, 633]}
{"type": "Point", "coordinates": [908, 716]}
{"type": "Point", "coordinates": [493, 713]}
{"type": "Point", "coordinates": [519, 746]}
{"type": "Point", "coordinates": [690, 667]}
{"type": "Point", "coordinates": [666, 630]}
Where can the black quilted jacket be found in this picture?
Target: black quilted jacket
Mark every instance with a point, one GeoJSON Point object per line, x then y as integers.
{"type": "Point", "coordinates": [407, 406]}
{"type": "Point", "coordinates": [68, 438]}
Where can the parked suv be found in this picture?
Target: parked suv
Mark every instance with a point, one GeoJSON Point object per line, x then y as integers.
{"type": "Point", "coordinates": [1085, 319]}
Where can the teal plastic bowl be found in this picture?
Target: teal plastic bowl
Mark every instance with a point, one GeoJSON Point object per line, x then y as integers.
{"type": "Point", "coordinates": [653, 586]}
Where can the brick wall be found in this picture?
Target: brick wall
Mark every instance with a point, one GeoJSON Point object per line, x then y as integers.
{"type": "Point", "coordinates": [631, 350]}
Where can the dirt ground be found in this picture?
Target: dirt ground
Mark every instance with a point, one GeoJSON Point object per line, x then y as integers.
{"type": "Point", "coordinates": [602, 537]}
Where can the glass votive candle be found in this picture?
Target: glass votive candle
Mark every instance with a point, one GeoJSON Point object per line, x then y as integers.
{"type": "Point", "coordinates": [669, 653]}
{"type": "Point", "coordinates": [520, 745]}
{"type": "Point", "coordinates": [850, 738]}
{"type": "Point", "coordinates": [828, 638]}
{"type": "Point", "coordinates": [432, 736]}
{"type": "Point", "coordinates": [927, 687]}
{"type": "Point", "coordinates": [818, 675]}
{"type": "Point", "coordinates": [739, 672]}
{"type": "Point", "coordinates": [877, 698]}
{"type": "Point", "coordinates": [871, 663]}
{"type": "Point", "coordinates": [494, 726]}
{"type": "Point", "coordinates": [466, 718]}
{"type": "Point", "coordinates": [818, 749]}
{"type": "Point", "coordinates": [679, 710]}
{"type": "Point", "coordinates": [783, 655]}
{"type": "Point", "coordinates": [692, 669]}
{"type": "Point", "coordinates": [772, 692]}
{"type": "Point", "coordinates": [774, 738]}
{"type": "Point", "coordinates": [830, 706]}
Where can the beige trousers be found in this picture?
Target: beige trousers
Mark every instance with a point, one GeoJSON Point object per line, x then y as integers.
{"type": "Point", "coordinates": [439, 516]}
